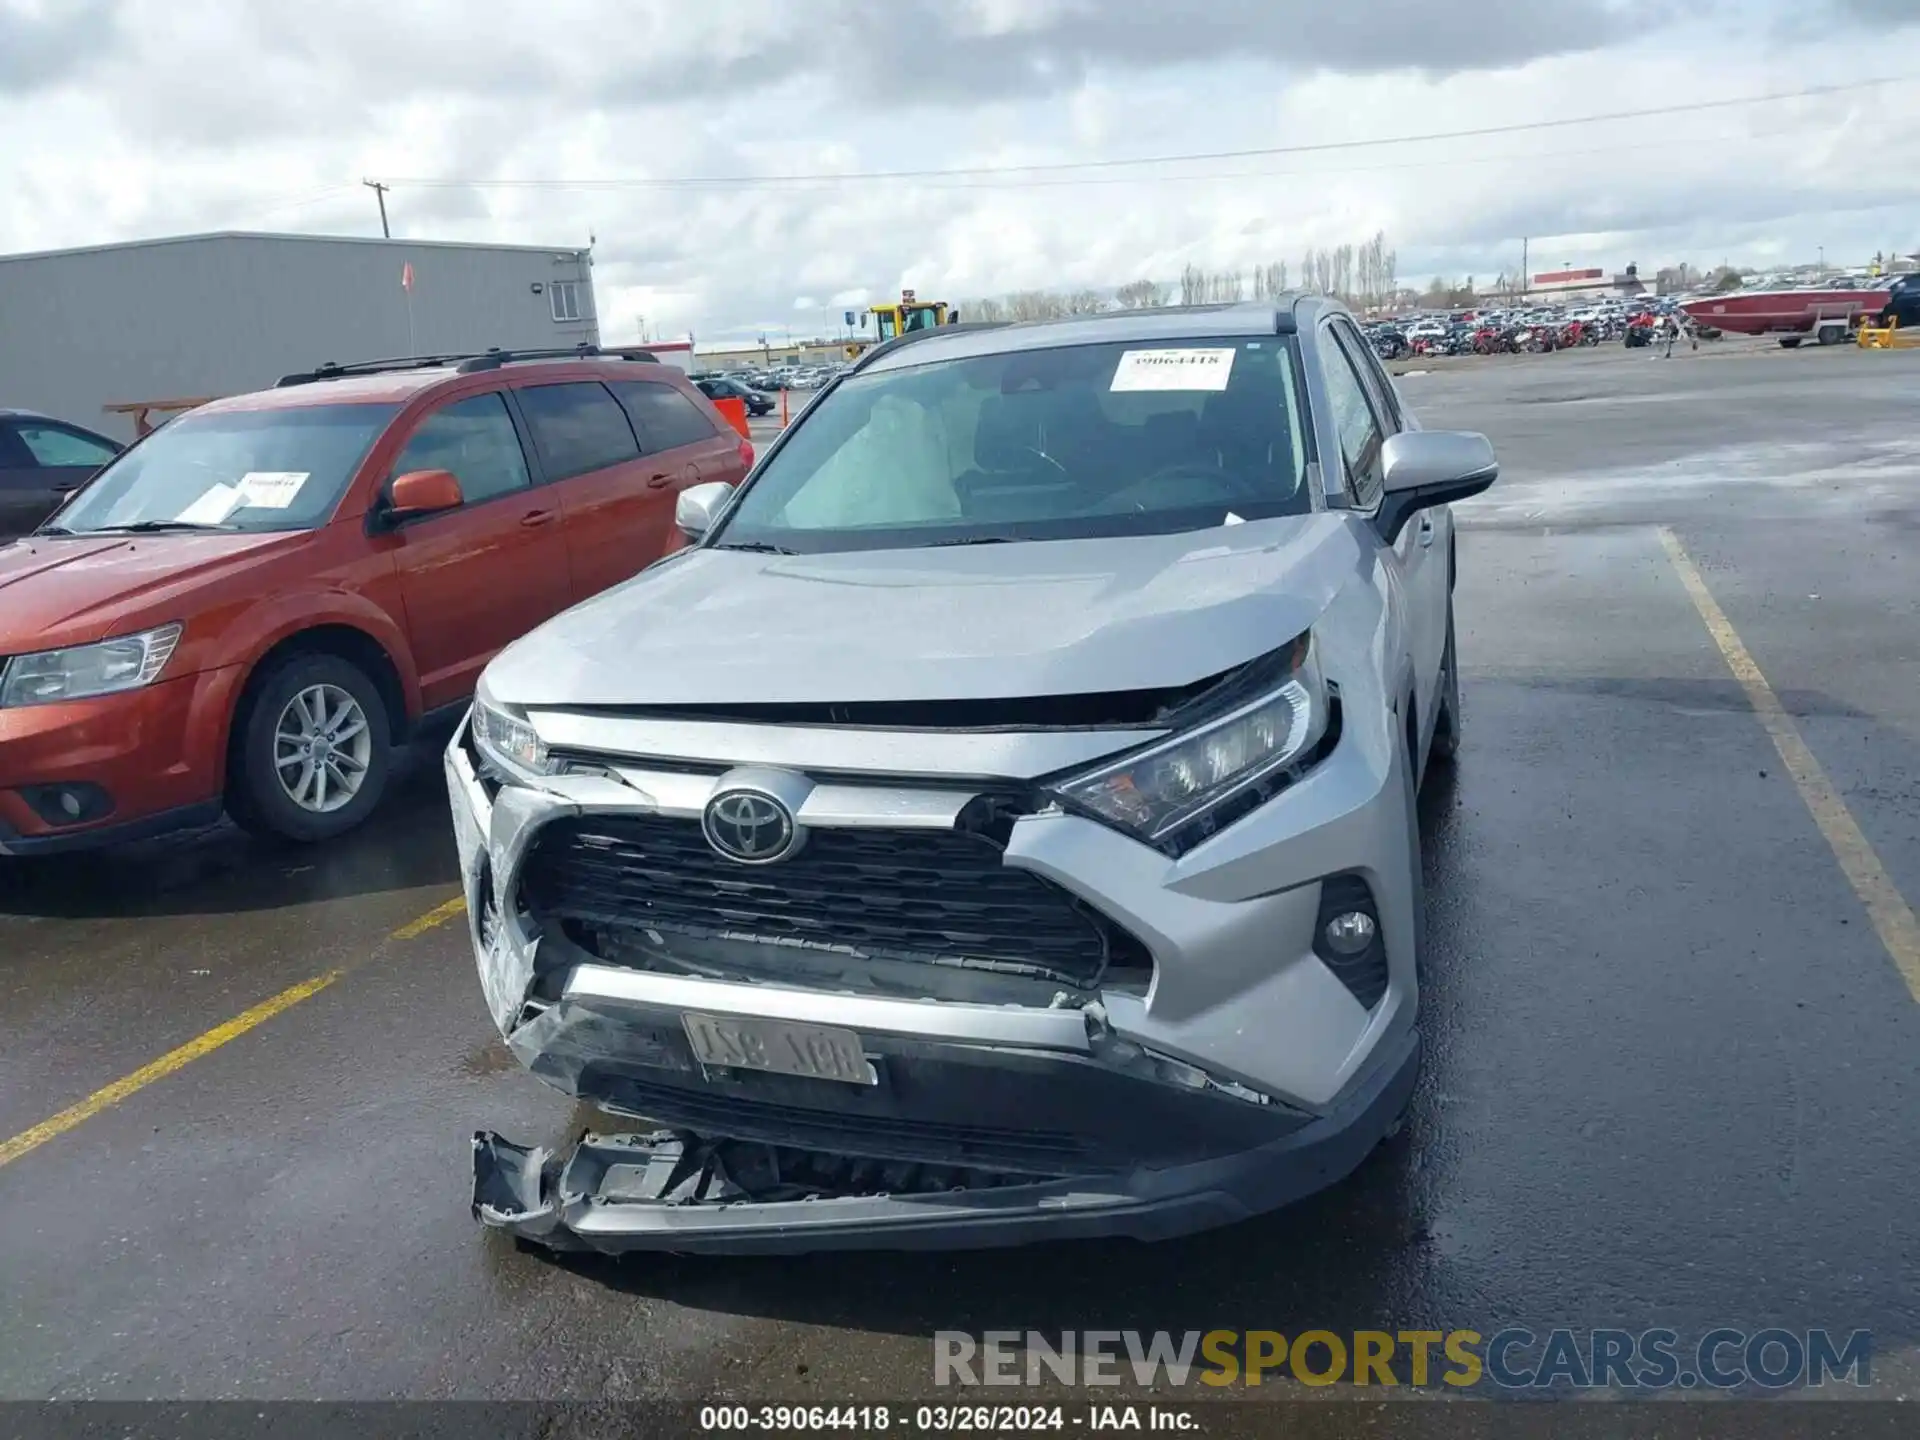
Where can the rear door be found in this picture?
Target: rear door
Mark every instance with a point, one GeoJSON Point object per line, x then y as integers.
{"type": "Point", "coordinates": [41, 463]}
{"type": "Point", "coordinates": [619, 525]}
{"type": "Point", "coordinates": [616, 518]}
{"type": "Point", "coordinates": [477, 578]}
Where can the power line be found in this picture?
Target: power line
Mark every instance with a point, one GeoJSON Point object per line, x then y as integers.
{"type": "Point", "coordinates": [1058, 167]}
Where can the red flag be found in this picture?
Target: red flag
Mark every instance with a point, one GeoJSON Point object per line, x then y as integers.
{"type": "Point", "coordinates": [406, 276]}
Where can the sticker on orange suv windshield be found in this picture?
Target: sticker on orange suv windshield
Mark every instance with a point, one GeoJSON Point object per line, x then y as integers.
{"type": "Point", "coordinates": [1173, 370]}
{"type": "Point", "coordinates": [271, 489]}
{"type": "Point", "coordinates": [212, 507]}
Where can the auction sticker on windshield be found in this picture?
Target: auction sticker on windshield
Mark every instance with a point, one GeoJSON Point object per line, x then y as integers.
{"type": "Point", "coordinates": [1173, 370]}
{"type": "Point", "coordinates": [271, 489]}
{"type": "Point", "coordinates": [212, 507]}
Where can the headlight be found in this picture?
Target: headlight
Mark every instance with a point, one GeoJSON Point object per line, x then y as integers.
{"type": "Point", "coordinates": [509, 742]}
{"type": "Point", "coordinates": [1182, 790]}
{"type": "Point", "coordinates": [83, 671]}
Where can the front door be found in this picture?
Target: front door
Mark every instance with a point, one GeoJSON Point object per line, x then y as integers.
{"type": "Point", "coordinates": [41, 463]}
{"type": "Point", "coordinates": [1364, 417]}
{"type": "Point", "coordinates": [478, 578]}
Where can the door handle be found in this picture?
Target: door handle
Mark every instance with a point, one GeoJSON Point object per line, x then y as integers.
{"type": "Point", "coordinates": [536, 517]}
{"type": "Point", "coordinates": [659, 482]}
{"type": "Point", "coordinates": [1426, 530]}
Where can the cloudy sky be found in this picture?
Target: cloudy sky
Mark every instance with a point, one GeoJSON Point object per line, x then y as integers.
{"type": "Point", "coordinates": [701, 141]}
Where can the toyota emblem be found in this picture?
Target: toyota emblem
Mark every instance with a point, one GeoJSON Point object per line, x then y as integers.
{"type": "Point", "coordinates": [750, 827]}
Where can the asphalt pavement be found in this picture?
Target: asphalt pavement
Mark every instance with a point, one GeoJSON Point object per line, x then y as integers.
{"type": "Point", "coordinates": [1670, 1073]}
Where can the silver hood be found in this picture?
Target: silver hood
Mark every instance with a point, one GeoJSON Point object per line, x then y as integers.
{"type": "Point", "coordinates": [716, 627]}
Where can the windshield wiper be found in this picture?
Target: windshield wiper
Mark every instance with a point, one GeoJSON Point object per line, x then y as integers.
{"type": "Point", "coordinates": [974, 540]}
{"type": "Point", "coordinates": [151, 527]}
{"type": "Point", "coordinates": [759, 547]}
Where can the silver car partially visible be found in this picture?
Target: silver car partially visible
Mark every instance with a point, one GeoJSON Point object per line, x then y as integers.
{"type": "Point", "coordinates": [1000, 823]}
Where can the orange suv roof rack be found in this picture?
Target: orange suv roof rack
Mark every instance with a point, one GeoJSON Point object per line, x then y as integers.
{"type": "Point", "coordinates": [463, 362]}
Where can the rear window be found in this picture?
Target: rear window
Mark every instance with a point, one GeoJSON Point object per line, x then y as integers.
{"type": "Point", "coordinates": [577, 428]}
{"type": "Point", "coordinates": [664, 417]}
{"type": "Point", "coordinates": [280, 469]}
{"type": "Point", "coordinates": [1074, 442]}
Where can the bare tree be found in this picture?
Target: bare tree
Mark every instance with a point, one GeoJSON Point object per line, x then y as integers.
{"type": "Point", "coordinates": [990, 310]}
{"type": "Point", "coordinates": [1342, 271]}
{"type": "Point", "coordinates": [1193, 285]}
{"type": "Point", "coordinates": [1225, 287]}
{"type": "Point", "coordinates": [1085, 302]}
{"type": "Point", "coordinates": [1035, 305]}
{"type": "Point", "coordinates": [1141, 295]}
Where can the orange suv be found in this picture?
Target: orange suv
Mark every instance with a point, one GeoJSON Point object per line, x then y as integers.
{"type": "Point", "coordinates": [249, 609]}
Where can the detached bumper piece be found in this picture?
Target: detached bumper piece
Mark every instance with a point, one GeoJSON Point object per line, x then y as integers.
{"type": "Point", "coordinates": [688, 1193]}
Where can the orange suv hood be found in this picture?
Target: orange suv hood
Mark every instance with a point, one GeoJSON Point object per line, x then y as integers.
{"type": "Point", "coordinates": [70, 590]}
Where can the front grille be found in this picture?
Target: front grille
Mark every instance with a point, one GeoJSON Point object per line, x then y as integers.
{"type": "Point", "coordinates": [931, 895]}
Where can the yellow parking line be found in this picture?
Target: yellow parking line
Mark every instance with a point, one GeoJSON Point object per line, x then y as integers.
{"type": "Point", "coordinates": [1893, 919]}
{"type": "Point", "coordinates": [439, 915]}
{"type": "Point", "coordinates": [177, 1059]}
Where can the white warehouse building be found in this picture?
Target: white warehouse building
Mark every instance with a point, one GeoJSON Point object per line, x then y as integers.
{"type": "Point", "coordinates": [199, 316]}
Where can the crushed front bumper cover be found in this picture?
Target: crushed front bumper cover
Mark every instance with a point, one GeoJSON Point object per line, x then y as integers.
{"type": "Point", "coordinates": [676, 1191]}
{"type": "Point", "coordinates": [1235, 1074]}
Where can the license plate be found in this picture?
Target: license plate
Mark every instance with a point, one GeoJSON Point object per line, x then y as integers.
{"type": "Point", "coordinates": [819, 1052]}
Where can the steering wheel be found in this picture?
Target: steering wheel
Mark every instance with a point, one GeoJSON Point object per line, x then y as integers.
{"type": "Point", "coordinates": [1227, 485]}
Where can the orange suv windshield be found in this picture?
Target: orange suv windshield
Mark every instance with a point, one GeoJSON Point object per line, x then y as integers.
{"type": "Point", "coordinates": [256, 470]}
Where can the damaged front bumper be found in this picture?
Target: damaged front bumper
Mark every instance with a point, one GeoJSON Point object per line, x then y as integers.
{"type": "Point", "coordinates": [1234, 1074]}
{"type": "Point", "coordinates": [672, 1191]}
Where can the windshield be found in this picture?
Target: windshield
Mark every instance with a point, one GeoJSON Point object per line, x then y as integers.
{"type": "Point", "coordinates": [253, 470]}
{"type": "Point", "coordinates": [1120, 439]}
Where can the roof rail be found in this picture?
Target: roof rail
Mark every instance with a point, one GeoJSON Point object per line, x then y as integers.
{"type": "Point", "coordinates": [493, 359]}
{"type": "Point", "coordinates": [333, 370]}
{"type": "Point", "coordinates": [887, 347]}
{"type": "Point", "coordinates": [464, 362]}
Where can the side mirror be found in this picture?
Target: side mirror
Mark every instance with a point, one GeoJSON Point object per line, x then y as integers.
{"type": "Point", "coordinates": [1424, 468]}
{"type": "Point", "coordinates": [699, 505]}
{"type": "Point", "coordinates": [423, 492]}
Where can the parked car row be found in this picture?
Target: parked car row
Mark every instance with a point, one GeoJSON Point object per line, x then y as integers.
{"type": "Point", "coordinates": [1529, 329]}
{"type": "Point", "coordinates": [776, 378]}
{"type": "Point", "coordinates": [248, 609]}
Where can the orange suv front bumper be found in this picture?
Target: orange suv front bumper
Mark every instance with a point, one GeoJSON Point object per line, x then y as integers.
{"type": "Point", "coordinates": [154, 757]}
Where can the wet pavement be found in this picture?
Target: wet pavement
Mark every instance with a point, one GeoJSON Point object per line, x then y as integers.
{"type": "Point", "coordinates": [1670, 1073]}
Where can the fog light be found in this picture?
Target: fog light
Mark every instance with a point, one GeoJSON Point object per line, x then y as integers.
{"type": "Point", "coordinates": [1349, 933]}
{"type": "Point", "coordinates": [71, 803]}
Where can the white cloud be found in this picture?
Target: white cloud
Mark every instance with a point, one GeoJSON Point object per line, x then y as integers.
{"type": "Point", "coordinates": [162, 116]}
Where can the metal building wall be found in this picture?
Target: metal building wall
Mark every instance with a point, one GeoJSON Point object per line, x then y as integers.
{"type": "Point", "coordinates": [219, 314]}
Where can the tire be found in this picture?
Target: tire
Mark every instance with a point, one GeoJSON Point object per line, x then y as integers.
{"type": "Point", "coordinates": [1790, 342]}
{"type": "Point", "coordinates": [278, 718]}
{"type": "Point", "coordinates": [1446, 725]}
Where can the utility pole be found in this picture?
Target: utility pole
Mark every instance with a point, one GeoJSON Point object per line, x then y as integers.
{"type": "Point", "coordinates": [380, 193]}
{"type": "Point", "coordinates": [1526, 280]}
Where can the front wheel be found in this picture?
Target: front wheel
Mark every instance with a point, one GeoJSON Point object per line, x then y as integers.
{"type": "Point", "coordinates": [312, 752]}
{"type": "Point", "coordinates": [1789, 342]}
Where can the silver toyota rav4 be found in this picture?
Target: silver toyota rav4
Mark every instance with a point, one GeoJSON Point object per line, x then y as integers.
{"type": "Point", "coordinates": [999, 824]}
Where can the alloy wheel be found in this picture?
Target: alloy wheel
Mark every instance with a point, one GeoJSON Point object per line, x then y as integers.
{"type": "Point", "coordinates": [322, 746]}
